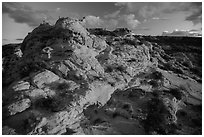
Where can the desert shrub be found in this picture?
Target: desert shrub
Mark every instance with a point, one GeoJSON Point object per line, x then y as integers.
{"type": "Point", "coordinates": [63, 86]}
{"type": "Point", "coordinates": [196, 71]}
{"type": "Point", "coordinates": [97, 121]}
{"type": "Point", "coordinates": [52, 104]}
{"type": "Point", "coordinates": [135, 93]}
{"type": "Point", "coordinates": [154, 83]}
{"type": "Point", "coordinates": [127, 107]}
{"type": "Point", "coordinates": [111, 83]}
{"type": "Point", "coordinates": [69, 131]}
{"type": "Point", "coordinates": [178, 70]}
{"type": "Point", "coordinates": [176, 93]}
{"type": "Point", "coordinates": [156, 119]}
{"type": "Point", "coordinates": [131, 60]}
{"type": "Point", "coordinates": [156, 75]}
{"type": "Point", "coordinates": [197, 122]}
{"type": "Point", "coordinates": [181, 113]}
{"type": "Point", "coordinates": [109, 69]}
{"type": "Point", "coordinates": [140, 43]}
{"type": "Point", "coordinates": [120, 113]}
{"type": "Point", "coordinates": [186, 64]}
{"type": "Point", "coordinates": [120, 68]}
{"type": "Point", "coordinates": [28, 68]}
{"type": "Point", "coordinates": [29, 123]}
{"type": "Point", "coordinates": [129, 41]}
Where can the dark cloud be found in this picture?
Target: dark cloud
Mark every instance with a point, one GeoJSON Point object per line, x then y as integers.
{"type": "Point", "coordinates": [19, 39]}
{"type": "Point", "coordinates": [194, 30]}
{"type": "Point", "coordinates": [145, 10]}
{"type": "Point", "coordinates": [196, 15]}
{"type": "Point", "coordinates": [25, 14]}
{"type": "Point", "coordinates": [142, 10]}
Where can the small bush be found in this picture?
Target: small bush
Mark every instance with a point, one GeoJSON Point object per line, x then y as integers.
{"type": "Point", "coordinates": [52, 104]}
{"type": "Point", "coordinates": [156, 75]}
{"type": "Point", "coordinates": [121, 68]}
{"type": "Point", "coordinates": [154, 83]}
{"type": "Point", "coordinates": [109, 69]}
{"type": "Point", "coordinates": [69, 131]}
{"type": "Point", "coordinates": [156, 120]}
{"type": "Point", "coordinates": [176, 93]}
{"type": "Point", "coordinates": [63, 86]}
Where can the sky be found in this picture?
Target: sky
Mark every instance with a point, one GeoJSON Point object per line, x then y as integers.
{"type": "Point", "coordinates": [147, 18]}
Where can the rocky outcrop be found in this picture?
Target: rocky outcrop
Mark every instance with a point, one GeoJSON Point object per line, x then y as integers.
{"type": "Point", "coordinates": [68, 80]}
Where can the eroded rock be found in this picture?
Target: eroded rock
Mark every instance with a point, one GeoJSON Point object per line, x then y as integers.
{"type": "Point", "coordinates": [18, 106]}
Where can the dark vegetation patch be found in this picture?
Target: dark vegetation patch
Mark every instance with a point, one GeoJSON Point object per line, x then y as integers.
{"type": "Point", "coordinates": [190, 46]}
{"type": "Point", "coordinates": [135, 93]}
{"type": "Point", "coordinates": [120, 68]}
{"type": "Point", "coordinates": [63, 86]}
{"type": "Point", "coordinates": [110, 69]}
{"type": "Point", "coordinates": [101, 32]}
{"type": "Point", "coordinates": [156, 118]}
{"type": "Point", "coordinates": [129, 41]}
{"type": "Point", "coordinates": [22, 122]}
{"type": "Point", "coordinates": [131, 60]}
{"type": "Point", "coordinates": [32, 67]}
{"type": "Point", "coordinates": [176, 93]}
{"type": "Point", "coordinates": [69, 132]}
{"type": "Point", "coordinates": [52, 104]}
{"type": "Point", "coordinates": [154, 83]}
{"type": "Point", "coordinates": [191, 116]}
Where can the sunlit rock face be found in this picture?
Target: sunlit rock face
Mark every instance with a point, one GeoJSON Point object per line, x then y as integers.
{"type": "Point", "coordinates": [64, 79]}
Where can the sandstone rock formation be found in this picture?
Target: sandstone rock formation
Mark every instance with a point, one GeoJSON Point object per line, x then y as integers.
{"type": "Point", "coordinates": [64, 79]}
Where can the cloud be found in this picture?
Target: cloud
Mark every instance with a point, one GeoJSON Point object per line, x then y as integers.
{"type": "Point", "coordinates": [143, 29]}
{"type": "Point", "coordinates": [141, 9]}
{"type": "Point", "coordinates": [58, 9]}
{"type": "Point", "coordinates": [181, 33]}
{"type": "Point", "coordinates": [145, 10]}
{"type": "Point", "coordinates": [158, 18]}
{"type": "Point", "coordinates": [111, 24]}
{"type": "Point", "coordinates": [130, 20]}
{"type": "Point", "coordinates": [196, 30]}
{"type": "Point", "coordinates": [112, 15]}
{"type": "Point", "coordinates": [25, 14]}
{"type": "Point", "coordinates": [196, 15]}
{"type": "Point", "coordinates": [93, 21]}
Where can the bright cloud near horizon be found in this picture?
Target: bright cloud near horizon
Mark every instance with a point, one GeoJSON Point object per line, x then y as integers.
{"type": "Point", "coordinates": [148, 18]}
